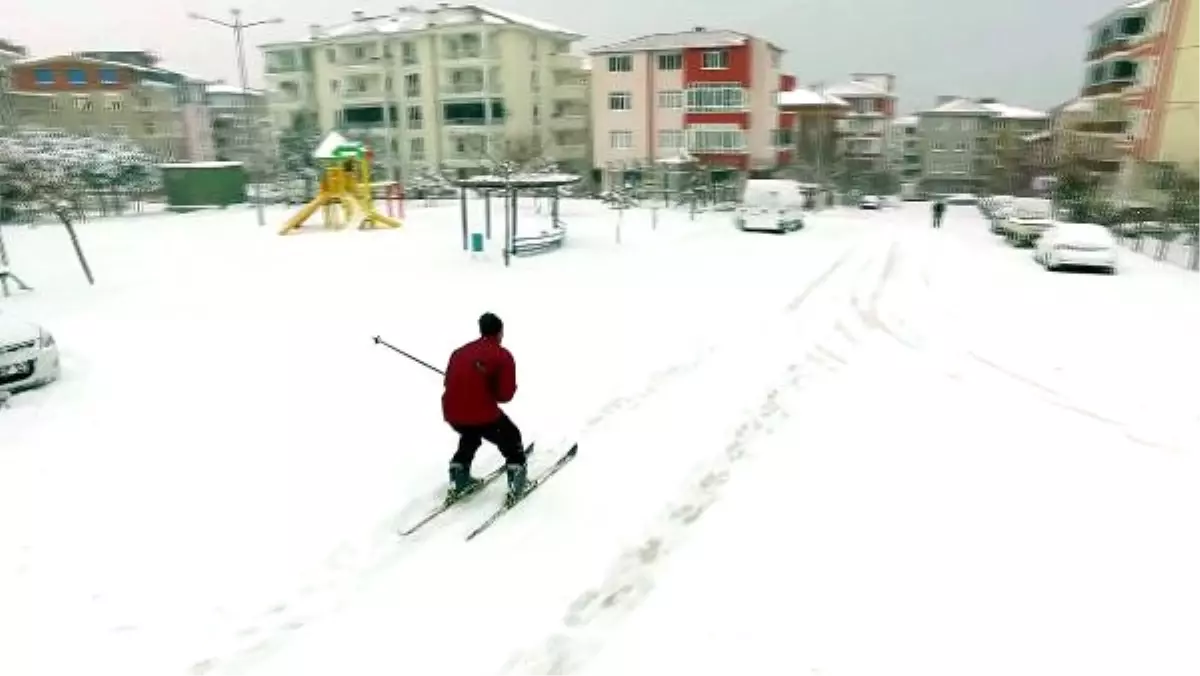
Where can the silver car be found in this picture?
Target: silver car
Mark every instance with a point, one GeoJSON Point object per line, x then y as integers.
{"type": "Point", "coordinates": [28, 355]}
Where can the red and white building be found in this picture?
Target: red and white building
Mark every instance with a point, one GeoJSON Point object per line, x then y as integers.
{"type": "Point", "coordinates": [707, 94]}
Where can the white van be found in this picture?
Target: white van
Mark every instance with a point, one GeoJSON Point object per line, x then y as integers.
{"type": "Point", "coordinates": [770, 205]}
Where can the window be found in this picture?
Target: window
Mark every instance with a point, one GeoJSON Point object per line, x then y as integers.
{"type": "Point", "coordinates": [671, 139]}
{"type": "Point", "coordinates": [83, 103]}
{"type": "Point", "coordinates": [620, 101]}
{"type": "Point", "coordinates": [776, 58]}
{"type": "Point", "coordinates": [412, 84]}
{"type": "Point", "coordinates": [109, 76]}
{"type": "Point", "coordinates": [408, 53]}
{"type": "Point", "coordinates": [76, 77]}
{"type": "Point", "coordinates": [144, 102]}
{"type": "Point", "coordinates": [119, 130]}
{"type": "Point", "coordinates": [672, 99]}
{"type": "Point", "coordinates": [331, 55]}
{"type": "Point", "coordinates": [1133, 25]}
{"type": "Point", "coordinates": [620, 64]}
{"type": "Point", "coordinates": [416, 117]}
{"type": "Point", "coordinates": [535, 82]}
{"type": "Point", "coordinates": [715, 97]}
{"type": "Point", "coordinates": [357, 84]}
{"type": "Point", "coordinates": [360, 53]}
{"type": "Point", "coordinates": [938, 146]}
{"type": "Point", "coordinates": [960, 147]}
{"type": "Point", "coordinates": [1124, 70]}
{"type": "Point", "coordinates": [43, 77]}
{"type": "Point", "coordinates": [716, 59]}
{"type": "Point", "coordinates": [149, 128]}
{"type": "Point", "coordinates": [1097, 74]}
{"type": "Point", "coordinates": [113, 103]}
{"type": "Point", "coordinates": [620, 140]}
{"type": "Point", "coordinates": [53, 105]}
{"type": "Point", "coordinates": [716, 138]}
{"type": "Point", "coordinates": [416, 149]}
{"type": "Point", "coordinates": [782, 138]}
{"type": "Point", "coordinates": [670, 61]}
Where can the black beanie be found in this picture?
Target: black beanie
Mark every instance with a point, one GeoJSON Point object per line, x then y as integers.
{"type": "Point", "coordinates": [490, 325]}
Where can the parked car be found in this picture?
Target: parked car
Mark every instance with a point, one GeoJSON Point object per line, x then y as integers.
{"type": "Point", "coordinates": [869, 202]}
{"type": "Point", "coordinates": [28, 355]}
{"type": "Point", "coordinates": [962, 198]}
{"type": "Point", "coordinates": [1082, 245]}
{"type": "Point", "coordinates": [1028, 218]}
{"type": "Point", "coordinates": [770, 205]}
{"type": "Point", "coordinates": [998, 218]}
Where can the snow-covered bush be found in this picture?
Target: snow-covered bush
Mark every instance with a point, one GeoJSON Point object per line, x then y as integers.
{"type": "Point", "coordinates": [57, 172]}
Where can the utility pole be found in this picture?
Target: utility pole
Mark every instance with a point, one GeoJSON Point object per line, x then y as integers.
{"type": "Point", "coordinates": [239, 27]}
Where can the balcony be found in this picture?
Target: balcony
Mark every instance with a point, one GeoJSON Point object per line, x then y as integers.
{"type": "Point", "coordinates": [1107, 127]}
{"type": "Point", "coordinates": [469, 89]}
{"type": "Point", "coordinates": [1109, 87]}
{"type": "Point", "coordinates": [566, 61]}
{"type": "Point", "coordinates": [469, 54]}
{"type": "Point", "coordinates": [472, 122]}
{"type": "Point", "coordinates": [568, 122]}
{"type": "Point", "coordinates": [371, 94]}
{"type": "Point", "coordinates": [1116, 45]}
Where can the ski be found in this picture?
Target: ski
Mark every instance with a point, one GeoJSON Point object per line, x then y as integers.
{"type": "Point", "coordinates": [531, 487]}
{"type": "Point", "coordinates": [445, 505]}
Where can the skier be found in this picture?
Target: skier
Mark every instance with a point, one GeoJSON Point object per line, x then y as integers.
{"type": "Point", "coordinates": [939, 209]}
{"type": "Point", "coordinates": [482, 375]}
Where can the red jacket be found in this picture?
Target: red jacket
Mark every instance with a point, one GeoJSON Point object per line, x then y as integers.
{"type": "Point", "coordinates": [480, 376]}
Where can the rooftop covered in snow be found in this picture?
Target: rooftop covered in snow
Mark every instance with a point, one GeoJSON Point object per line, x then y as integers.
{"type": "Point", "coordinates": [985, 108]}
{"type": "Point", "coordinates": [857, 88]}
{"type": "Point", "coordinates": [411, 19]}
{"type": "Point", "coordinates": [808, 98]}
{"type": "Point", "coordinates": [698, 37]}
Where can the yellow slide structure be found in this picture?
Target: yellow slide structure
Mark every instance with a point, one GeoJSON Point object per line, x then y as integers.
{"type": "Point", "coordinates": [345, 181]}
{"type": "Point", "coordinates": [371, 219]}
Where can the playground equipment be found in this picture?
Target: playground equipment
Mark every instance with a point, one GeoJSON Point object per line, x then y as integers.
{"type": "Point", "coordinates": [344, 195]}
{"type": "Point", "coordinates": [510, 187]}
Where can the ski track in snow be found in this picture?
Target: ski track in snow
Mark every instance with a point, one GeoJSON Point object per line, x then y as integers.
{"type": "Point", "coordinates": [867, 318]}
{"type": "Point", "coordinates": [632, 575]}
{"type": "Point", "coordinates": [350, 570]}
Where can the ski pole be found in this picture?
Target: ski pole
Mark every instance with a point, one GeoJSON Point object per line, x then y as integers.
{"type": "Point", "coordinates": [380, 341]}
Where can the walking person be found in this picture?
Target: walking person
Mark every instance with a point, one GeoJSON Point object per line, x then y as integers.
{"type": "Point", "coordinates": [480, 376]}
{"type": "Point", "coordinates": [939, 210]}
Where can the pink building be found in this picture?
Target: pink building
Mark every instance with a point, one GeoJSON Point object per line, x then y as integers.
{"type": "Point", "coordinates": [709, 94]}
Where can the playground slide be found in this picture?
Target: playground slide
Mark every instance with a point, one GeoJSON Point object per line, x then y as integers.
{"type": "Point", "coordinates": [364, 213]}
{"type": "Point", "coordinates": [301, 216]}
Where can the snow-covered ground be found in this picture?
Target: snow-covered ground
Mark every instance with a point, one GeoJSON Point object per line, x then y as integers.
{"type": "Point", "coordinates": [864, 448]}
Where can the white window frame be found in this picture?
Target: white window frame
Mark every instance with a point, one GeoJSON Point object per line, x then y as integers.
{"type": "Point", "coordinates": [716, 97]}
{"type": "Point", "coordinates": [670, 99]}
{"type": "Point", "coordinates": [620, 139]}
{"type": "Point", "coordinates": [671, 60]}
{"type": "Point", "coordinates": [614, 99]}
{"type": "Point", "coordinates": [715, 59]}
{"type": "Point", "coordinates": [620, 63]}
{"type": "Point", "coordinates": [671, 139]}
{"type": "Point", "coordinates": [716, 138]}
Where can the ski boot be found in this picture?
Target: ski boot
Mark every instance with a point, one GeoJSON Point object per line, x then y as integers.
{"type": "Point", "coordinates": [462, 483]}
{"type": "Point", "coordinates": [518, 483]}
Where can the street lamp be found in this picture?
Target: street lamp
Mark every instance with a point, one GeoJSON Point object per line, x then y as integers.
{"type": "Point", "coordinates": [238, 26]}
{"type": "Point", "coordinates": [387, 60]}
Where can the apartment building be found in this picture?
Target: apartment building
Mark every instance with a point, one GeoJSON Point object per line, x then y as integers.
{"type": "Point", "coordinates": [904, 148]}
{"type": "Point", "coordinates": [963, 141]}
{"type": "Point", "coordinates": [708, 94]}
{"type": "Point", "coordinates": [86, 95]}
{"type": "Point", "coordinates": [17, 108]}
{"type": "Point", "coordinates": [240, 120]}
{"type": "Point", "coordinates": [815, 119]}
{"type": "Point", "coordinates": [863, 129]}
{"type": "Point", "coordinates": [458, 86]}
{"type": "Point", "coordinates": [1138, 103]}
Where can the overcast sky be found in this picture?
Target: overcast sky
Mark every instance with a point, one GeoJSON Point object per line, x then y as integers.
{"type": "Point", "coordinates": [1025, 52]}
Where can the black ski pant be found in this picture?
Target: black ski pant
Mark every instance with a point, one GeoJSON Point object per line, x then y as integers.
{"type": "Point", "coordinates": [937, 220]}
{"type": "Point", "coordinates": [502, 433]}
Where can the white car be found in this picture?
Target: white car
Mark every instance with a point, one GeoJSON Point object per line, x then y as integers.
{"type": "Point", "coordinates": [28, 355]}
{"type": "Point", "coordinates": [770, 205]}
{"type": "Point", "coordinates": [962, 198]}
{"type": "Point", "coordinates": [1027, 219]}
{"type": "Point", "coordinates": [869, 202]}
{"type": "Point", "coordinates": [1082, 245]}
